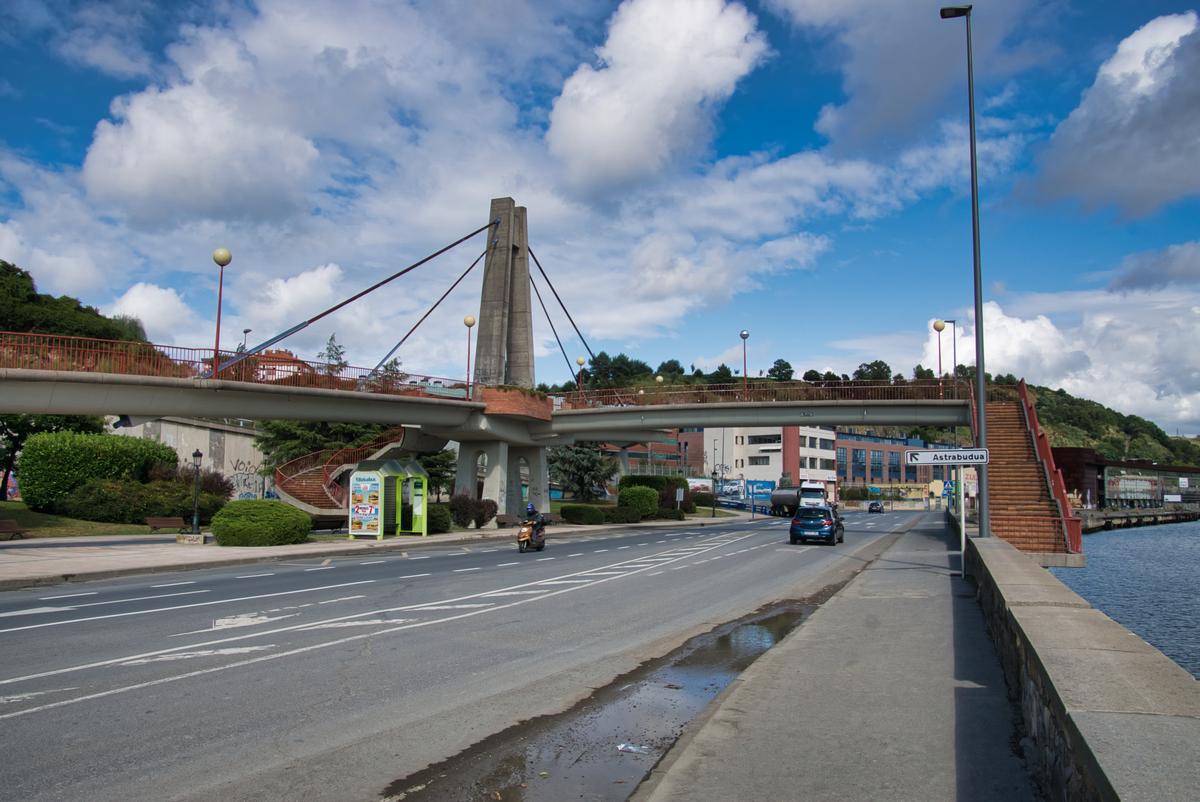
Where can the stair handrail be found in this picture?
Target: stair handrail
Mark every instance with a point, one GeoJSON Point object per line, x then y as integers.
{"type": "Point", "coordinates": [344, 456]}
{"type": "Point", "coordinates": [1072, 526]}
{"type": "Point", "coordinates": [297, 466]}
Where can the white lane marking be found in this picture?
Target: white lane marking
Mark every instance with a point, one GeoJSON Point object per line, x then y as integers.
{"type": "Point", "coordinates": [457, 554]}
{"type": "Point", "coordinates": [678, 567]}
{"type": "Point", "coordinates": [565, 582]}
{"type": "Point", "coordinates": [660, 541]}
{"type": "Point", "coordinates": [36, 611]}
{"type": "Point", "coordinates": [412, 576]}
{"type": "Point", "coordinates": [643, 565]}
{"type": "Point", "coordinates": [454, 606]}
{"type": "Point", "coordinates": [576, 554]}
{"type": "Point", "coordinates": [299, 650]}
{"type": "Point", "coordinates": [543, 559]}
{"type": "Point", "coordinates": [604, 573]}
{"type": "Point", "coordinates": [21, 697]}
{"type": "Point", "coordinates": [372, 562]}
{"type": "Point", "coordinates": [174, 584]}
{"type": "Point", "coordinates": [160, 658]}
{"type": "Point", "coordinates": [647, 543]}
{"type": "Point", "coordinates": [461, 570]}
{"type": "Point", "coordinates": [599, 551]}
{"type": "Point", "coordinates": [68, 596]}
{"type": "Point", "coordinates": [367, 622]}
{"type": "Point", "coordinates": [32, 610]}
{"type": "Point", "coordinates": [342, 599]}
{"type": "Point", "coordinates": [321, 568]}
{"type": "Point", "coordinates": [622, 547]}
{"type": "Point", "coordinates": [505, 565]}
{"type": "Point", "coordinates": [186, 606]}
{"type": "Point", "coordinates": [517, 592]}
{"type": "Point", "coordinates": [656, 573]}
{"type": "Point", "coordinates": [253, 576]}
{"type": "Point", "coordinates": [238, 621]}
{"type": "Point", "coordinates": [426, 557]}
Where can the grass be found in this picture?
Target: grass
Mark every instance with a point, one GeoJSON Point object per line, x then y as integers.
{"type": "Point", "coordinates": [40, 524]}
{"type": "Point", "coordinates": [706, 512]}
{"type": "Point", "coordinates": [556, 505]}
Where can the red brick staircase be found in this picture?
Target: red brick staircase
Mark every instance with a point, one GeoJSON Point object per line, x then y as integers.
{"type": "Point", "coordinates": [1026, 501]}
{"type": "Point", "coordinates": [310, 482]}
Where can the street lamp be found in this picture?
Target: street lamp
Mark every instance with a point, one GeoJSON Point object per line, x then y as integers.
{"type": "Point", "coordinates": [715, 476]}
{"type": "Point", "coordinates": [222, 257]}
{"type": "Point", "coordinates": [245, 333]}
{"type": "Point", "coordinates": [954, 367]}
{"type": "Point", "coordinates": [952, 12]}
{"type": "Point", "coordinates": [939, 326]}
{"type": "Point", "coordinates": [196, 457]}
{"type": "Point", "coordinates": [579, 378]}
{"type": "Point", "coordinates": [469, 321]}
{"type": "Point", "coordinates": [745, 335]}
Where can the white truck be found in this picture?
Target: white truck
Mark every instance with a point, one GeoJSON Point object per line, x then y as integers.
{"type": "Point", "coordinates": [785, 500]}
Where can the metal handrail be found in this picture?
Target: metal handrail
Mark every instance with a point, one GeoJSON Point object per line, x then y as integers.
{"type": "Point", "coordinates": [349, 454]}
{"type": "Point", "coordinates": [1072, 526]}
{"type": "Point", "coordinates": [766, 391]}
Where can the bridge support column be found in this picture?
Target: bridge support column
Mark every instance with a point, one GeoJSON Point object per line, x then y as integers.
{"type": "Point", "coordinates": [623, 468]}
{"type": "Point", "coordinates": [538, 476]}
{"type": "Point", "coordinates": [495, 473]}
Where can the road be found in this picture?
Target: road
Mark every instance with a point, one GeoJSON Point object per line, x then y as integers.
{"type": "Point", "coordinates": [328, 679]}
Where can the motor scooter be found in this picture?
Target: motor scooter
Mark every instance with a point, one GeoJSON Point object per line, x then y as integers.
{"type": "Point", "coordinates": [528, 537]}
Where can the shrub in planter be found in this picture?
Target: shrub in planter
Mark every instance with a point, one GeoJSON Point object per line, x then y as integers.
{"type": "Point", "coordinates": [621, 515]}
{"type": "Point", "coordinates": [129, 502]}
{"type": "Point", "coordinates": [669, 514]}
{"type": "Point", "coordinates": [702, 499]}
{"type": "Point", "coordinates": [439, 519]}
{"type": "Point", "coordinates": [641, 498]}
{"type": "Point", "coordinates": [260, 522]}
{"type": "Point", "coordinates": [665, 485]}
{"type": "Point", "coordinates": [462, 510]}
{"type": "Point", "coordinates": [485, 510]}
{"type": "Point", "coordinates": [582, 514]}
{"type": "Point", "coordinates": [55, 463]}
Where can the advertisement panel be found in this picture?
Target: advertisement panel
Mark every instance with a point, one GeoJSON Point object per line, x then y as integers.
{"type": "Point", "coordinates": [366, 503]}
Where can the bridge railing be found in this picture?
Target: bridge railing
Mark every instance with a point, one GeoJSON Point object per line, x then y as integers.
{"type": "Point", "coordinates": [768, 391]}
{"type": "Point", "coordinates": [276, 368]}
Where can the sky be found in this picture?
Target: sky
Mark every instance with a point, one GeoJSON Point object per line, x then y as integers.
{"type": "Point", "coordinates": [692, 168]}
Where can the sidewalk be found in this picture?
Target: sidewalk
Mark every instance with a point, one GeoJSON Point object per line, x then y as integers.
{"type": "Point", "coordinates": [49, 561]}
{"type": "Point", "coordinates": [892, 690]}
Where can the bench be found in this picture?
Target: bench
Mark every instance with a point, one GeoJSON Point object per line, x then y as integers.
{"type": "Point", "coordinates": [507, 520]}
{"type": "Point", "coordinates": [10, 528]}
{"type": "Point", "coordinates": [167, 523]}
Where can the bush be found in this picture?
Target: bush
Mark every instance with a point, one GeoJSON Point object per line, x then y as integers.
{"type": "Point", "coordinates": [641, 498]}
{"type": "Point", "coordinates": [702, 499]}
{"type": "Point", "coordinates": [439, 519]}
{"type": "Point", "coordinates": [582, 514]}
{"type": "Point", "coordinates": [621, 515]}
{"type": "Point", "coordinates": [669, 514]}
{"type": "Point", "coordinates": [462, 510]}
{"type": "Point", "coordinates": [485, 510]}
{"type": "Point", "coordinates": [260, 522]}
{"type": "Point", "coordinates": [689, 507]}
{"type": "Point", "coordinates": [55, 463]}
{"type": "Point", "coordinates": [127, 502]}
{"type": "Point", "coordinates": [211, 481]}
{"type": "Point", "coordinates": [664, 485]}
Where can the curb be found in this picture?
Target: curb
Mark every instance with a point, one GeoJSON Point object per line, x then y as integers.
{"type": "Point", "coordinates": [333, 551]}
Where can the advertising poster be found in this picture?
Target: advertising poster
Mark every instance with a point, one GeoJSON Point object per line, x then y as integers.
{"type": "Point", "coordinates": [365, 504]}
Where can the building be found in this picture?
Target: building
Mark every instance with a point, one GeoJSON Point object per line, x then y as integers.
{"type": "Point", "coordinates": [1094, 481]}
{"type": "Point", "coordinates": [787, 454]}
{"type": "Point", "coordinates": [872, 460]}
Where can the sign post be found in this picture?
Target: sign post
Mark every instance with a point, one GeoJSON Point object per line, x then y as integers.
{"type": "Point", "coordinates": [957, 458]}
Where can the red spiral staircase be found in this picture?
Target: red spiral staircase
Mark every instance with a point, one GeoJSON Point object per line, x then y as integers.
{"type": "Point", "coordinates": [311, 482]}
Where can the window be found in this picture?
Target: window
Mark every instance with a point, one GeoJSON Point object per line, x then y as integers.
{"type": "Point", "coordinates": [738, 440]}
{"type": "Point", "coordinates": [858, 463]}
{"type": "Point", "coordinates": [812, 442]}
{"type": "Point", "coordinates": [876, 464]}
{"type": "Point", "coordinates": [826, 445]}
{"type": "Point", "coordinates": [827, 465]}
{"type": "Point", "coordinates": [910, 473]}
{"type": "Point", "coordinates": [893, 466]}
{"type": "Point", "coordinates": [841, 462]}
{"type": "Point", "coordinates": [737, 463]}
{"type": "Point", "coordinates": [937, 472]}
{"type": "Point", "coordinates": [763, 439]}
{"type": "Point", "coordinates": [760, 460]}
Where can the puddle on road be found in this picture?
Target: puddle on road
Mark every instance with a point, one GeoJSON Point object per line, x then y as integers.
{"type": "Point", "coordinates": [575, 755]}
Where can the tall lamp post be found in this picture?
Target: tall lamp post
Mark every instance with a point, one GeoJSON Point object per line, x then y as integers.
{"type": "Point", "coordinates": [715, 476]}
{"type": "Point", "coordinates": [745, 335]}
{"type": "Point", "coordinates": [245, 333]}
{"type": "Point", "coordinates": [952, 12]}
{"type": "Point", "coordinates": [222, 257]}
{"type": "Point", "coordinates": [196, 457]}
{"type": "Point", "coordinates": [954, 366]}
{"type": "Point", "coordinates": [579, 376]}
{"type": "Point", "coordinates": [469, 321]}
{"type": "Point", "coordinates": [939, 326]}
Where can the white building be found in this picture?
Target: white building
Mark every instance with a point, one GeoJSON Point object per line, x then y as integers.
{"type": "Point", "coordinates": [757, 453]}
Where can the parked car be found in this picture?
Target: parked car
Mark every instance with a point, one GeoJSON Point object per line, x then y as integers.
{"type": "Point", "coordinates": [817, 523]}
{"type": "Point", "coordinates": [875, 506]}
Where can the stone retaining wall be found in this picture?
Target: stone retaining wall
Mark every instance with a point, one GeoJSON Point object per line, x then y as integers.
{"type": "Point", "coordinates": [1106, 715]}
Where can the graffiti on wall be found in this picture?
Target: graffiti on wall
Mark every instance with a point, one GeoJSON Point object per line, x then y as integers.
{"type": "Point", "coordinates": [247, 482]}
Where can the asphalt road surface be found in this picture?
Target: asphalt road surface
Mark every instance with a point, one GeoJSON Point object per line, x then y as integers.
{"type": "Point", "coordinates": [327, 679]}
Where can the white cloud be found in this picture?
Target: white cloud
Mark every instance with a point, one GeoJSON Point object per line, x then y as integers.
{"type": "Point", "coordinates": [163, 313]}
{"type": "Point", "coordinates": [1178, 264]}
{"type": "Point", "coordinates": [1140, 120]}
{"type": "Point", "coordinates": [666, 66]}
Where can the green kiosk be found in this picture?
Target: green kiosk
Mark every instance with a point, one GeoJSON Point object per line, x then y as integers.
{"type": "Point", "coordinates": [379, 492]}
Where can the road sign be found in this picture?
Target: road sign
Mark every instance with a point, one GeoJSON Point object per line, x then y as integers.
{"type": "Point", "coordinates": [948, 456]}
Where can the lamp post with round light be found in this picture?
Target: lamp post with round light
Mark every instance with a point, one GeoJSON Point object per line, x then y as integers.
{"type": "Point", "coordinates": [953, 12]}
{"type": "Point", "coordinates": [579, 377]}
{"type": "Point", "coordinates": [222, 257]}
{"type": "Point", "coordinates": [469, 321]}
{"type": "Point", "coordinates": [939, 326]}
{"type": "Point", "coordinates": [245, 333]}
{"type": "Point", "coordinates": [745, 335]}
{"type": "Point", "coordinates": [196, 457]}
{"type": "Point", "coordinates": [715, 475]}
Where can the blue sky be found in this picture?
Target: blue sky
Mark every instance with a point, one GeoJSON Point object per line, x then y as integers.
{"type": "Point", "coordinates": [691, 168]}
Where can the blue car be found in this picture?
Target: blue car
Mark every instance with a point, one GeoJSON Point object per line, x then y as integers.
{"type": "Point", "coordinates": [816, 523]}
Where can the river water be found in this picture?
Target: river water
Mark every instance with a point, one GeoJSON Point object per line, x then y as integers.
{"type": "Point", "coordinates": [1148, 580]}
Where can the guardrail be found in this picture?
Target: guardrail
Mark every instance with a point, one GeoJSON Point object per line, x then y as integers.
{"type": "Point", "coordinates": [1072, 526]}
{"type": "Point", "coordinates": [769, 391]}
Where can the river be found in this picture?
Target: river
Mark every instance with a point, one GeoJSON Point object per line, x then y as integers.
{"type": "Point", "coordinates": [1146, 579]}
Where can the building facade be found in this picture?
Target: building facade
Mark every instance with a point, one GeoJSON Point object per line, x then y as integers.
{"type": "Point", "coordinates": [778, 454]}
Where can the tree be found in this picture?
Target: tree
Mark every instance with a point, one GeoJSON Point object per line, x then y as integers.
{"type": "Point", "coordinates": [580, 468]}
{"type": "Point", "coordinates": [670, 369]}
{"type": "Point", "coordinates": [16, 429]}
{"type": "Point", "coordinates": [722, 375]}
{"type": "Point", "coordinates": [441, 467]}
{"type": "Point", "coordinates": [873, 371]}
{"type": "Point", "coordinates": [920, 373]}
{"type": "Point", "coordinates": [334, 356]}
{"type": "Point", "coordinates": [781, 371]}
{"type": "Point", "coordinates": [23, 308]}
{"type": "Point", "coordinates": [282, 441]}
{"type": "Point", "coordinates": [812, 376]}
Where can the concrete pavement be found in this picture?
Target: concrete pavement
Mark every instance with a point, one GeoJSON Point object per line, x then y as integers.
{"type": "Point", "coordinates": [891, 690]}
{"type": "Point", "coordinates": [48, 561]}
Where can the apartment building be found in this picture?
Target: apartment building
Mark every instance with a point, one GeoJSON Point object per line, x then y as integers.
{"type": "Point", "coordinates": [771, 453]}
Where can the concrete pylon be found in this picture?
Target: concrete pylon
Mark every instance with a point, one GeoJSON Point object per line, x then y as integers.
{"type": "Point", "coordinates": [504, 344]}
{"type": "Point", "coordinates": [495, 473]}
{"type": "Point", "coordinates": [539, 479]}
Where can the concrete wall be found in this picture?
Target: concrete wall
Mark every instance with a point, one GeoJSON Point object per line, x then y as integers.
{"type": "Point", "coordinates": [228, 449]}
{"type": "Point", "coordinates": [1106, 715]}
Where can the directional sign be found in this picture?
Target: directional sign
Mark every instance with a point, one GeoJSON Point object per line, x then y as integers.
{"type": "Point", "coordinates": [948, 456]}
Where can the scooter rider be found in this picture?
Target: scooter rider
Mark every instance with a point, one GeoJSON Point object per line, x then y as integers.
{"type": "Point", "coordinates": [539, 521]}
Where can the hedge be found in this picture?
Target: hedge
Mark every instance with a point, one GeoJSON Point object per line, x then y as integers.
{"type": "Point", "coordinates": [621, 515]}
{"type": "Point", "coordinates": [55, 463]}
{"type": "Point", "coordinates": [438, 519]}
{"type": "Point", "coordinates": [582, 514]}
{"type": "Point", "coordinates": [669, 514]}
{"type": "Point", "coordinates": [127, 502]}
{"type": "Point", "coordinates": [260, 522]}
{"type": "Point", "coordinates": [462, 510]}
{"type": "Point", "coordinates": [639, 497]}
{"type": "Point", "coordinates": [664, 485]}
{"type": "Point", "coordinates": [485, 510]}
{"type": "Point", "coordinates": [702, 499]}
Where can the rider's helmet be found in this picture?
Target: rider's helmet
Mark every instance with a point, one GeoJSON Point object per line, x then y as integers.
{"type": "Point", "coordinates": [529, 508]}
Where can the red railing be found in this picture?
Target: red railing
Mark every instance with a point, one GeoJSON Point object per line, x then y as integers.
{"type": "Point", "coordinates": [275, 368]}
{"type": "Point", "coordinates": [769, 391]}
{"type": "Point", "coordinates": [1072, 526]}
{"type": "Point", "coordinates": [353, 454]}
{"type": "Point", "coordinates": [293, 468]}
